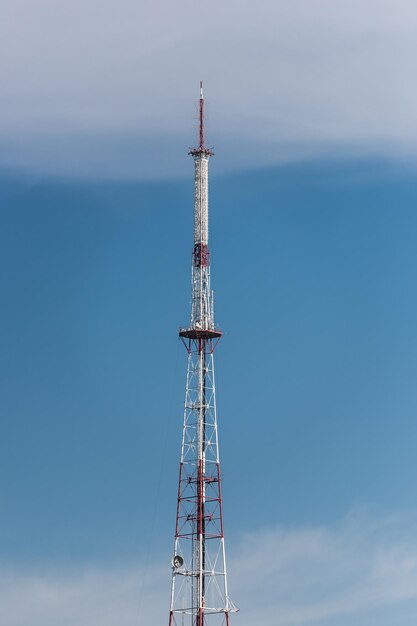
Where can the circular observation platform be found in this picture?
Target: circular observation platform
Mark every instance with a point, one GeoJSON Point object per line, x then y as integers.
{"type": "Point", "coordinates": [199, 333]}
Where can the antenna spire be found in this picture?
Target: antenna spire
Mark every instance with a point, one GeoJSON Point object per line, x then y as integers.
{"type": "Point", "coordinates": [201, 150]}
{"type": "Point", "coordinates": [201, 116]}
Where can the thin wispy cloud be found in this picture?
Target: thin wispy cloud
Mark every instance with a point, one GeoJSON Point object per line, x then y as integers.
{"type": "Point", "coordinates": [363, 569]}
{"type": "Point", "coordinates": [104, 87]}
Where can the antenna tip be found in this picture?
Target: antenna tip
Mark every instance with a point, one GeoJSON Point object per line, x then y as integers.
{"type": "Point", "coordinates": [201, 89]}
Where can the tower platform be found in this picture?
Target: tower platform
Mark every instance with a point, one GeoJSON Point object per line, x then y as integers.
{"type": "Point", "coordinates": [196, 333]}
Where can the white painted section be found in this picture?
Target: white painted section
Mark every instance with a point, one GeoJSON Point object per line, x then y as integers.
{"type": "Point", "coordinates": [201, 198]}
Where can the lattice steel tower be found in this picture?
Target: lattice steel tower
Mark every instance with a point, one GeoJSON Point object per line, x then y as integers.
{"type": "Point", "coordinates": [199, 595]}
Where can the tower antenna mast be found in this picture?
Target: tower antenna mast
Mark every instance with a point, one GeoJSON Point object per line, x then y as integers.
{"type": "Point", "coordinates": [199, 593]}
{"type": "Point", "coordinates": [201, 115]}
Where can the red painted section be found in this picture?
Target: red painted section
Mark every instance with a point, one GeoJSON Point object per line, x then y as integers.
{"type": "Point", "coordinates": [200, 621]}
{"type": "Point", "coordinates": [201, 255]}
{"type": "Point", "coordinates": [179, 500]}
{"type": "Point", "coordinates": [200, 528]}
{"type": "Point", "coordinates": [220, 500]}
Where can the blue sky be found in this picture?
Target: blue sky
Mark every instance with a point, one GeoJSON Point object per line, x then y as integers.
{"type": "Point", "coordinates": [313, 192]}
{"type": "Point", "coordinates": [314, 270]}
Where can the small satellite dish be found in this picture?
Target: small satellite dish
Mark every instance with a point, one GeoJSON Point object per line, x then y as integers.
{"type": "Point", "coordinates": [177, 561]}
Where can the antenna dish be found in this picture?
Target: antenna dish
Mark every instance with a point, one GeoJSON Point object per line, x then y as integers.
{"type": "Point", "coordinates": [177, 561]}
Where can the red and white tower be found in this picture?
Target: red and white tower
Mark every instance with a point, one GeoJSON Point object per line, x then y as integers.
{"type": "Point", "coordinates": [199, 595]}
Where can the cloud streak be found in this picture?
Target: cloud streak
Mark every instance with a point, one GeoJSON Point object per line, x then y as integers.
{"type": "Point", "coordinates": [283, 79]}
{"type": "Point", "coordinates": [364, 569]}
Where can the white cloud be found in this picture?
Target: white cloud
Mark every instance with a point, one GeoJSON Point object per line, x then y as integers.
{"type": "Point", "coordinates": [315, 575]}
{"type": "Point", "coordinates": [362, 571]}
{"type": "Point", "coordinates": [283, 79]}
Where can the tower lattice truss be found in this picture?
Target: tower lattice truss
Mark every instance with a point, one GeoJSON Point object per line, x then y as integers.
{"type": "Point", "coordinates": [199, 594]}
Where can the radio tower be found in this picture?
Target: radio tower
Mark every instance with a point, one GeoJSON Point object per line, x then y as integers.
{"type": "Point", "coordinates": [199, 594]}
